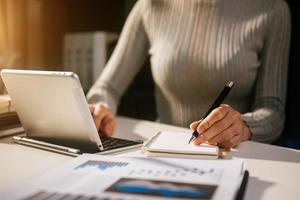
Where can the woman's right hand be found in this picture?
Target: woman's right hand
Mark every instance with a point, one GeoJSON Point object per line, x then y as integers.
{"type": "Point", "coordinates": [104, 119]}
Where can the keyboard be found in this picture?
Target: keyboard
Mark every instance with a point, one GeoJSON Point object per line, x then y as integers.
{"type": "Point", "coordinates": [113, 143]}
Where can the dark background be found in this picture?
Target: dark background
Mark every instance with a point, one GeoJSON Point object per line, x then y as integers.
{"type": "Point", "coordinates": [291, 134]}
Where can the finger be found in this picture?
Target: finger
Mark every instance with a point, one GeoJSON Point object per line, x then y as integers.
{"type": "Point", "coordinates": [109, 128]}
{"type": "Point", "coordinates": [97, 121]}
{"type": "Point", "coordinates": [194, 125]}
{"type": "Point", "coordinates": [215, 116]}
{"type": "Point", "coordinates": [232, 142]}
{"type": "Point", "coordinates": [108, 125]}
{"type": "Point", "coordinates": [200, 139]}
{"type": "Point", "coordinates": [98, 110]}
{"type": "Point", "coordinates": [226, 135]}
{"type": "Point", "coordinates": [98, 114]}
{"type": "Point", "coordinates": [218, 127]}
{"type": "Point", "coordinates": [92, 108]}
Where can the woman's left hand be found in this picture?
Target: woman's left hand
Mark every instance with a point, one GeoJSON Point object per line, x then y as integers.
{"type": "Point", "coordinates": [223, 127]}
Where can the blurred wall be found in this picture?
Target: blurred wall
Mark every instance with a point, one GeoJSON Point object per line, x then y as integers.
{"type": "Point", "coordinates": [65, 16]}
{"type": "Point", "coordinates": [31, 31]}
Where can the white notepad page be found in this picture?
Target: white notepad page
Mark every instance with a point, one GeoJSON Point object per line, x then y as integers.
{"type": "Point", "coordinates": [177, 142]}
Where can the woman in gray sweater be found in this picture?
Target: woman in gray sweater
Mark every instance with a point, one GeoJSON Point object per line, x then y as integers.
{"type": "Point", "coordinates": [196, 46]}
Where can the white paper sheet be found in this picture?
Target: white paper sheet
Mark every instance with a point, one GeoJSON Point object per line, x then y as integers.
{"type": "Point", "coordinates": [116, 178]}
{"type": "Point", "coordinates": [177, 142]}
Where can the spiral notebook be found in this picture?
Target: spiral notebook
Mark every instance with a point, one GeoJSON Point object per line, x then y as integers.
{"type": "Point", "coordinates": [175, 144]}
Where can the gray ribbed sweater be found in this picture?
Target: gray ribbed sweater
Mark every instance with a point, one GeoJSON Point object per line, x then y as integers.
{"type": "Point", "coordinates": [196, 47]}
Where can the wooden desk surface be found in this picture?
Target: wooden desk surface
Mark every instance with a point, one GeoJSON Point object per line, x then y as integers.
{"type": "Point", "coordinates": [274, 171]}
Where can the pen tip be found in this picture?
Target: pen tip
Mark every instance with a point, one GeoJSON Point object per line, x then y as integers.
{"type": "Point", "coordinates": [190, 140]}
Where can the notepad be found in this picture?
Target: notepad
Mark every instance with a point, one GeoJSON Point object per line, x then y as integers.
{"type": "Point", "coordinates": [175, 144]}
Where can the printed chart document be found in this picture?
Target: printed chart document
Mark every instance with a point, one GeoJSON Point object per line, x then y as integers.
{"type": "Point", "coordinates": [175, 144]}
{"type": "Point", "coordinates": [106, 177]}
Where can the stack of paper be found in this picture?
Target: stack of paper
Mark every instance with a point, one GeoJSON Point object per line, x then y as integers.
{"type": "Point", "coordinates": [9, 121]}
{"type": "Point", "coordinates": [107, 177]}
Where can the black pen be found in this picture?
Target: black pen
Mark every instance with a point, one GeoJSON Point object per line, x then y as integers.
{"type": "Point", "coordinates": [216, 104]}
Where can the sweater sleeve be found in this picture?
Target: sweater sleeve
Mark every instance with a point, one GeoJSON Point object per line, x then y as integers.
{"type": "Point", "coordinates": [266, 121]}
{"type": "Point", "coordinates": [125, 62]}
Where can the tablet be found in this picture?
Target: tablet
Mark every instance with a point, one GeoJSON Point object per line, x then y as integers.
{"type": "Point", "coordinates": [53, 109]}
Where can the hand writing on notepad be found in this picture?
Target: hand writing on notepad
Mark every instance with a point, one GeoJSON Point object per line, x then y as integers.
{"type": "Point", "coordinates": [223, 126]}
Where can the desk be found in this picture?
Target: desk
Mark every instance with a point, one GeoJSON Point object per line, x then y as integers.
{"type": "Point", "coordinates": [274, 171]}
